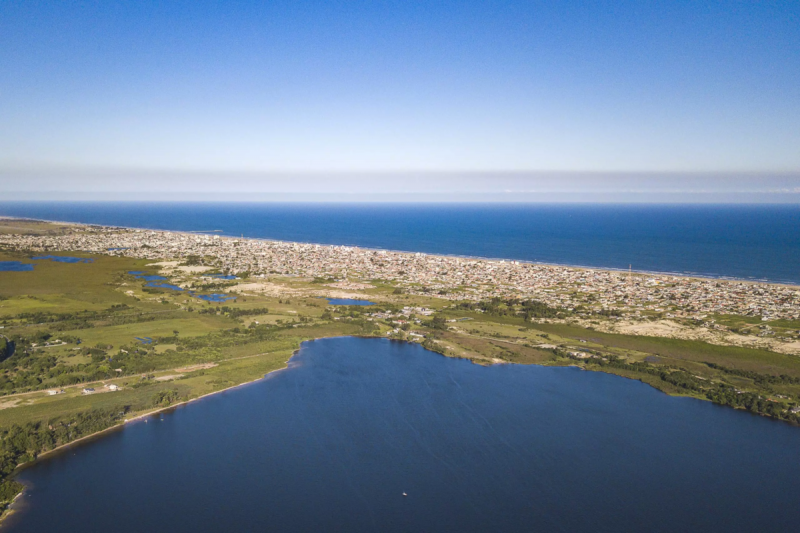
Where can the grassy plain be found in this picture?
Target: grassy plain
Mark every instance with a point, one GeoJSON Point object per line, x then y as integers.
{"type": "Point", "coordinates": [43, 302]}
{"type": "Point", "coordinates": [15, 226]}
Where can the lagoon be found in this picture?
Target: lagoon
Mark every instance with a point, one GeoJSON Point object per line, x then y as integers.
{"type": "Point", "coordinates": [163, 286]}
{"type": "Point", "coordinates": [63, 259]}
{"type": "Point", "coordinates": [333, 442]}
{"type": "Point", "coordinates": [15, 266]}
{"type": "Point", "coordinates": [152, 277]}
{"type": "Point", "coordinates": [146, 277]}
{"type": "Point", "coordinates": [215, 297]}
{"type": "Point", "coordinates": [348, 301]}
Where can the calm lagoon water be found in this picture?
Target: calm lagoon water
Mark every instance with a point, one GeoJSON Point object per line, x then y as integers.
{"type": "Point", "coordinates": [348, 301]}
{"type": "Point", "coordinates": [15, 266]}
{"type": "Point", "coordinates": [216, 297]}
{"type": "Point", "coordinates": [140, 274]}
{"type": "Point", "coordinates": [332, 443]}
{"type": "Point", "coordinates": [163, 286]}
{"type": "Point", "coordinates": [63, 259]}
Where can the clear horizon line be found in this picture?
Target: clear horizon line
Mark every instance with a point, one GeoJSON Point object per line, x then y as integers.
{"type": "Point", "coordinates": [795, 202]}
{"type": "Point", "coordinates": [72, 169]}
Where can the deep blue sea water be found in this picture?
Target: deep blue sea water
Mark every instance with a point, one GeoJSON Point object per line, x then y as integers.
{"type": "Point", "coordinates": [332, 443]}
{"type": "Point", "coordinates": [741, 241]}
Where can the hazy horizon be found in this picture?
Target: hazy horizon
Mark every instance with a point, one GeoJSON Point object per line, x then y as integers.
{"type": "Point", "coordinates": [504, 101]}
{"type": "Point", "coordinates": [518, 187]}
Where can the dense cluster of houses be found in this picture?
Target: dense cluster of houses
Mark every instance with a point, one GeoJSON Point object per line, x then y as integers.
{"type": "Point", "coordinates": [454, 278]}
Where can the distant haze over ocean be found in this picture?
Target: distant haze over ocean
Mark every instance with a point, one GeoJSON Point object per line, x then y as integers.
{"type": "Point", "coordinates": [755, 242]}
{"type": "Point", "coordinates": [398, 187]}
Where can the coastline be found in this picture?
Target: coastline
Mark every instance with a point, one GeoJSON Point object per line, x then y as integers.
{"type": "Point", "coordinates": [706, 277]}
{"type": "Point", "coordinates": [141, 416]}
{"type": "Point", "coordinates": [99, 229]}
{"type": "Point", "coordinates": [121, 425]}
{"type": "Point", "coordinates": [10, 510]}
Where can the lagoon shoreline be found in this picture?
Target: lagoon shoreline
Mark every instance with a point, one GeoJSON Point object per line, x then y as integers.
{"type": "Point", "coordinates": [118, 427]}
{"type": "Point", "coordinates": [575, 356]}
{"type": "Point", "coordinates": [476, 397]}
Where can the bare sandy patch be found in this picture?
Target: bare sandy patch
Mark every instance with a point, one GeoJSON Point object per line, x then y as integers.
{"type": "Point", "coordinates": [282, 291]}
{"type": "Point", "coordinates": [792, 347]}
{"type": "Point", "coordinates": [267, 288]}
{"type": "Point", "coordinates": [667, 328]}
{"type": "Point", "coordinates": [9, 403]}
{"type": "Point", "coordinates": [165, 264]}
{"type": "Point", "coordinates": [192, 368]}
{"type": "Point", "coordinates": [194, 269]}
{"type": "Point", "coordinates": [662, 328]}
{"type": "Point", "coordinates": [168, 377]}
{"type": "Point", "coordinates": [350, 285]}
{"type": "Point", "coordinates": [348, 295]}
{"type": "Point", "coordinates": [19, 402]}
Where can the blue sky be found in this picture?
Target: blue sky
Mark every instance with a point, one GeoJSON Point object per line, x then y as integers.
{"type": "Point", "coordinates": [270, 88]}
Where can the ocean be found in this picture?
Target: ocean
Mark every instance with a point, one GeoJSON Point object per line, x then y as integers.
{"type": "Point", "coordinates": [751, 242]}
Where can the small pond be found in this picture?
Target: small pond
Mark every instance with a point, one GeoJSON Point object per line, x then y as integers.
{"type": "Point", "coordinates": [63, 259]}
{"type": "Point", "coordinates": [163, 286]}
{"type": "Point", "coordinates": [348, 301]}
{"type": "Point", "coordinates": [216, 297]}
{"type": "Point", "coordinates": [146, 277]}
{"type": "Point", "coordinates": [15, 266]}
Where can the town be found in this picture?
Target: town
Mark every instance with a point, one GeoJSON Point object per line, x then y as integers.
{"type": "Point", "coordinates": [581, 290]}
